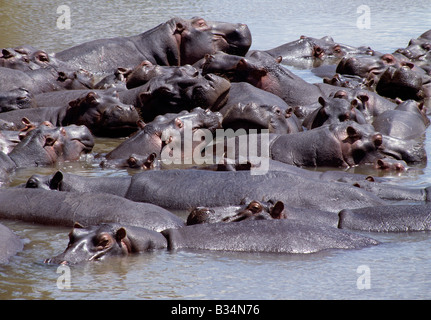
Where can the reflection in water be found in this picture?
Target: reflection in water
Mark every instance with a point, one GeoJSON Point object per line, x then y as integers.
{"type": "Point", "coordinates": [215, 275]}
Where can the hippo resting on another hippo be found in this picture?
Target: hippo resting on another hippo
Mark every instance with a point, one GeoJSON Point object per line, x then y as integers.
{"type": "Point", "coordinates": [173, 43]}
{"type": "Point", "coordinates": [44, 80]}
{"type": "Point", "coordinates": [10, 244]}
{"type": "Point", "coordinates": [287, 236]}
{"type": "Point", "coordinates": [308, 52]}
{"type": "Point", "coordinates": [47, 145]}
{"type": "Point", "coordinates": [50, 207]}
{"type": "Point", "coordinates": [102, 112]}
{"type": "Point", "coordinates": [164, 128]}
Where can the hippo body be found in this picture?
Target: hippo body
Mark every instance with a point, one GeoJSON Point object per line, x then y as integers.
{"type": "Point", "coordinates": [212, 189]}
{"type": "Point", "coordinates": [65, 208]}
{"type": "Point", "coordinates": [390, 218]}
{"type": "Point", "coordinates": [272, 236]}
{"type": "Point", "coordinates": [10, 244]}
{"type": "Point", "coordinates": [175, 42]}
{"type": "Point", "coordinates": [103, 113]}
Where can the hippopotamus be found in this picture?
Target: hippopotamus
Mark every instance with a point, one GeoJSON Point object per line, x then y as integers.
{"type": "Point", "coordinates": [62, 181]}
{"type": "Point", "coordinates": [102, 112]}
{"type": "Point", "coordinates": [17, 58]}
{"type": "Point", "coordinates": [287, 236]}
{"type": "Point", "coordinates": [10, 244]}
{"type": "Point", "coordinates": [261, 116]}
{"type": "Point", "coordinates": [216, 188]}
{"type": "Point", "coordinates": [49, 207]}
{"type": "Point", "coordinates": [264, 72]}
{"type": "Point", "coordinates": [153, 136]}
{"type": "Point", "coordinates": [176, 42]}
{"type": "Point", "coordinates": [15, 99]}
{"type": "Point", "coordinates": [47, 145]}
{"type": "Point", "coordinates": [418, 49]}
{"type": "Point", "coordinates": [389, 218]}
{"type": "Point", "coordinates": [27, 57]}
{"type": "Point", "coordinates": [333, 111]}
{"type": "Point", "coordinates": [308, 52]}
{"type": "Point", "coordinates": [369, 103]}
{"type": "Point", "coordinates": [254, 210]}
{"type": "Point", "coordinates": [367, 66]}
{"type": "Point", "coordinates": [184, 88]}
{"type": "Point", "coordinates": [340, 145]}
{"type": "Point", "coordinates": [403, 83]}
{"type": "Point", "coordinates": [275, 236]}
{"type": "Point", "coordinates": [116, 80]}
{"type": "Point", "coordinates": [44, 79]}
{"type": "Point", "coordinates": [406, 121]}
{"type": "Point", "coordinates": [98, 242]}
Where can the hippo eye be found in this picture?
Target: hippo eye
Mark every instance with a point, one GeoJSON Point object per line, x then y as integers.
{"type": "Point", "coordinates": [49, 141]}
{"type": "Point", "coordinates": [427, 46]}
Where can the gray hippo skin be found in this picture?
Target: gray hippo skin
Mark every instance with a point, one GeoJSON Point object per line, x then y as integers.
{"type": "Point", "coordinates": [65, 208]}
{"type": "Point", "coordinates": [175, 42]}
{"type": "Point", "coordinates": [102, 112]}
{"type": "Point", "coordinates": [10, 244]}
{"type": "Point", "coordinates": [273, 236]}
{"type": "Point", "coordinates": [194, 188]}
{"type": "Point", "coordinates": [101, 241]}
{"type": "Point", "coordinates": [390, 218]}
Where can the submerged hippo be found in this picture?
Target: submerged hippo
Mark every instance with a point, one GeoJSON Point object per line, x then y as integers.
{"type": "Point", "coordinates": [98, 242]}
{"type": "Point", "coordinates": [10, 244]}
{"type": "Point", "coordinates": [275, 236]}
{"type": "Point", "coordinates": [390, 218]}
{"type": "Point", "coordinates": [50, 207]}
{"type": "Point", "coordinates": [284, 236]}
{"type": "Point", "coordinates": [47, 145]}
{"type": "Point", "coordinates": [254, 210]}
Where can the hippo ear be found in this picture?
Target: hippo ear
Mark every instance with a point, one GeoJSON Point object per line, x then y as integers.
{"type": "Point", "coordinates": [277, 212]}
{"type": "Point", "coordinates": [322, 101]}
{"type": "Point", "coordinates": [120, 234]}
{"type": "Point", "coordinates": [179, 27]}
{"type": "Point", "coordinates": [144, 97]}
{"type": "Point", "coordinates": [91, 97]}
{"type": "Point", "coordinates": [77, 225]}
{"type": "Point", "coordinates": [55, 182]}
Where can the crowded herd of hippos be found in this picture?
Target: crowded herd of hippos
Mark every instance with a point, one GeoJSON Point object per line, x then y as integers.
{"type": "Point", "coordinates": [158, 89]}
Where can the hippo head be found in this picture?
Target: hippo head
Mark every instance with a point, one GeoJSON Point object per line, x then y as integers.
{"type": "Point", "coordinates": [145, 71]}
{"type": "Point", "coordinates": [256, 116]}
{"type": "Point", "coordinates": [185, 89]}
{"type": "Point", "coordinates": [40, 146]}
{"type": "Point", "coordinates": [104, 114]}
{"type": "Point", "coordinates": [15, 99]}
{"type": "Point", "coordinates": [417, 49]}
{"type": "Point", "coordinates": [197, 37]}
{"type": "Point", "coordinates": [360, 144]}
{"type": "Point", "coordinates": [78, 140]}
{"type": "Point", "coordinates": [74, 79]}
{"type": "Point", "coordinates": [403, 83]}
{"type": "Point", "coordinates": [254, 210]}
{"type": "Point", "coordinates": [93, 243]}
{"type": "Point", "coordinates": [332, 111]}
{"type": "Point", "coordinates": [15, 59]}
{"type": "Point", "coordinates": [47, 144]}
